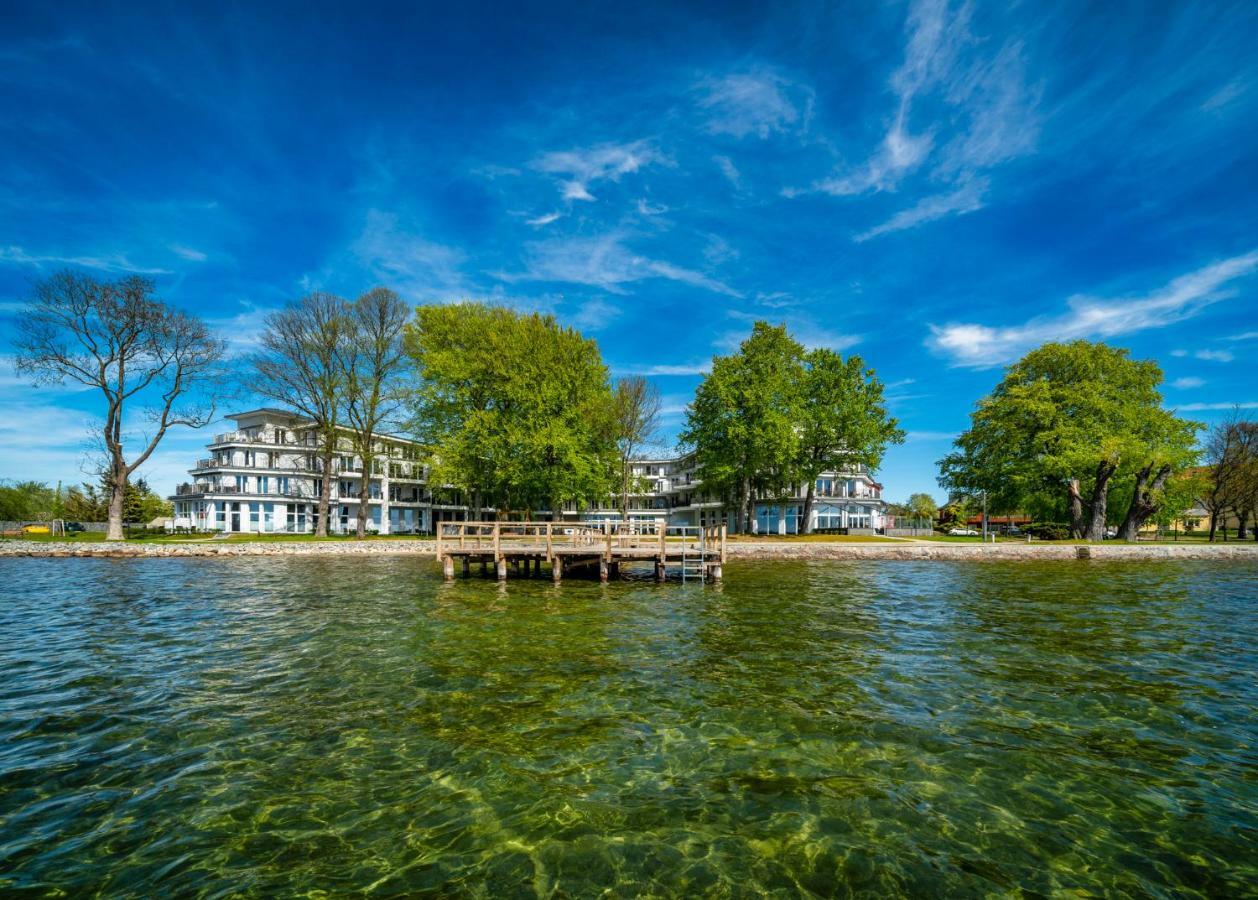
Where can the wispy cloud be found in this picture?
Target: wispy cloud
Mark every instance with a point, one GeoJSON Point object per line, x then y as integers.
{"type": "Point", "coordinates": [1215, 355]}
{"type": "Point", "coordinates": [982, 346]}
{"type": "Point", "coordinates": [1187, 383]}
{"type": "Point", "coordinates": [594, 315]}
{"type": "Point", "coordinates": [1207, 407]}
{"type": "Point", "coordinates": [729, 170]}
{"type": "Point", "coordinates": [579, 169]}
{"type": "Point", "coordinates": [982, 114]}
{"type": "Point", "coordinates": [187, 253]}
{"type": "Point", "coordinates": [1225, 95]}
{"type": "Point", "coordinates": [111, 262]}
{"type": "Point", "coordinates": [605, 262]}
{"type": "Point", "coordinates": [758, 102]}
{"type": "Point", "coordinates": [922, 436]}
{"type": "Point", "coordinates": [654, 369]}
{"type": "Point", "coordinates": [401, 257]}
{"type": "Point", "coordinates": [1243, 336]}
{"type": "Point", "coordinates": [543, 220]}
{"type": "Point", "coordinates": [964, 199]}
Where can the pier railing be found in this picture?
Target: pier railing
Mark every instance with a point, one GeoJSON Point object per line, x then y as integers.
{"type": "Point", "coordinates": [609, 538]}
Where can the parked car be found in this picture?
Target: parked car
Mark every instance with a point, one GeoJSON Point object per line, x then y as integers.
{"type": "Point", "coordinates": [1013, 531]}
{"type": "Point", "coordinates": [35, 529]}
{"type": "Point", "coordinates": [74, 528]}
{"type": "Point", "coordinates": [962, 532]}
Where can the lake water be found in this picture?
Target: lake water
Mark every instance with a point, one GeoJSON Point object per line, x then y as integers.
{"type": "Point", "coordinates": [287, 725]}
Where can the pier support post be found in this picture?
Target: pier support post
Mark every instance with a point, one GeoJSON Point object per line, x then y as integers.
{"type": "Point", "coordinates": [603, 567]}
{"type": "Point", "coordinates": [660, 572]}
{"type": "Point", "coordinates": [447, 567]}
{"type": "Point", "coordinates": [502, 569]}
{"type": "Point", "coordinates": [615, 569]}
{"type": "Point", "coordinates": [467, 567]}
{"type": "Point", "coordinates": [716, 572]}
{"type": "Point", "coordinates": [556, 569]}
{"type": "Point", "coordinates": [537, 567]}
{"type": "Point", "coordinates": [484, 567]}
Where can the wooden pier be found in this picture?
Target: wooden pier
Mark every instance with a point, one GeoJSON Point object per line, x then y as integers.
{"type": "Point", "coordinates": [524, 547]}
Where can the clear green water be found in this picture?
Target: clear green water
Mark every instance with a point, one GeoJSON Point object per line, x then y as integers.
{"type": "Point", "coordinates": [289, 726]}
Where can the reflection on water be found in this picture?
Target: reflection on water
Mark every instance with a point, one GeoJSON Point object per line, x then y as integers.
{"type": "Point", "coordinates": [293, 725]}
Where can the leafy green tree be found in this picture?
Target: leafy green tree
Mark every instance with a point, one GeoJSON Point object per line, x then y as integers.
{"type": "Point", "coordinates": [1070, 419]}
{"type": "Point", "coordinates": [515, 410]}
{"type": "Point", "coordinates": [86, 503]}
{"type": "Point", "coordinates": [922, 506]}
{"type": "Point", "coordinates": [26, 501]}
{"type": "Point", "coordinates": [843, 420]}
{"type": "Point", "coordinates": [743, 423]}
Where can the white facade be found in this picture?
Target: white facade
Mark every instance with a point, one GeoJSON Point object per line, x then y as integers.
{"type": "Point", "coordinates": [265, 477]}
{"type": "Point", "coordinates": [671, 488]}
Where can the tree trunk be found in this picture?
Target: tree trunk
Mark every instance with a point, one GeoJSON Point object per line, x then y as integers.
{"type": "Point", "coordinates": [1098, 508]}
{"type": "Point", "coordinates": [1242, 523]}
{"type": "Point", "coordinates": [364, 494]}
{"type": "Point", "coordinates": [1076, 509]}
{"type": "Point", "coordinates": [117, 496]}
{"type": "Point", "coordinates": [1214, 522]}
{"type": "Point", "coordinates": [325, 492]}
{"type": "Point", "coordinates": [1143, 501]}
{"type": "Point", "coordinates": [808, 501]}
{"type": "Point", "coordinates": [744, 505]}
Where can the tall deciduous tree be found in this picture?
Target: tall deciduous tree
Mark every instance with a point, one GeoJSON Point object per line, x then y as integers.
{"type": "Point", "coordinates": [515, 410]}
{"type": "Point", "coordinates": [743, 421]}
{"type": "Point", "coordinates": [843, 420]}
{"type": "Point", "coordinates": [1066, 421]}
{"type": "Point", "coordinates": [372, 362]}
{"type": "Point", "coordinates": [119, 339]}
{"type": "Point", "coordinates": [923, 506]}
{"type": "Point", "coordinates": [298, 366]}
{"type": "Point", "coordinates": [636, 410]}
{"type": "Point", "coordinates": [1231, 455]}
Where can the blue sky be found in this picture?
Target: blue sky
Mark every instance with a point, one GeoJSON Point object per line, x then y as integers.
{"type": "Point", "coordinates": [935, 186]}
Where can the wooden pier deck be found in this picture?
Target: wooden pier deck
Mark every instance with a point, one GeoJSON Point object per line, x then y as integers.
{"type": "Point", "coordinates": [524, 547]}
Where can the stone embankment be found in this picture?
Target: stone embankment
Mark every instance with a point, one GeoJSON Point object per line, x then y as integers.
{"type": "Point", "coordinates": [764, 550]}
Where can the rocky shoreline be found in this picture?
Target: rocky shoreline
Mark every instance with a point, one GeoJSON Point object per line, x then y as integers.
{"type": "Point", "coordinates": [906, 550]}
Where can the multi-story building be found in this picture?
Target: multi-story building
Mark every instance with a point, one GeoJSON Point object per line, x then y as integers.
{"type": "Point", "coordinates": [266, 475]}
{"type": "Point", "coordinates": [670, 487]}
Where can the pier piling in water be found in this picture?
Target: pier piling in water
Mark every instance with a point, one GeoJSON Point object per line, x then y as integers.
{"type": "Point", "coordinates": [694, 552]}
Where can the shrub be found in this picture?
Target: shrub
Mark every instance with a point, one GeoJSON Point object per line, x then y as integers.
{"type": "Point", "coordinates": [1048, 531]}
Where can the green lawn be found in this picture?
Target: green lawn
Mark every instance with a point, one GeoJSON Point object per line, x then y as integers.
{"type": "Point", "coordinates": [812, 539]}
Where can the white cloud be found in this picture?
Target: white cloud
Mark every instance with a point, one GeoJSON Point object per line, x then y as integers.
{"type": "Point", "coordinates": [594, 315]}
{"type": "Point", "coordinates": [1187, 383]}
{"type": "Point", "coordinates": [649, 209]}
{"type": "Point", "coordinates": [1244, 336]}
{"type": "Point", "coordinates": [653, 369]}
{"type": "Point", "coordinates": [412, 264]}
{"type": "Point", "coordinates": [1179, 353]}
{"type": "Point", "coordinates": [922, 436]}
{"type": "Point", "coordinates": [113, 262]}
{"type": "Point", "coordinates": [1225, 95]}
{"type": "Point", "coordinates": [1214, 355]}
{"type": "Point", "coordinates": [1206, 407]}
{"type": "Point", "coordinates": [605, 262]}
{"type": "Point", "coordinates": [760, 102]}
{"type": "Point", "coordinates": [187, 253]}
{"type": "Point", "coordinates": [964, 199]}
{"type": "Point", "coordinates": [581, 168]}
{"type": "Point", "coordinates": [981, 101]}
{"type": "Point", "coordinates": [981, 346]}
{"type": "Point", "coordinates": [543, 220]}
{"type": "Point", "coordinates": [729, 170]}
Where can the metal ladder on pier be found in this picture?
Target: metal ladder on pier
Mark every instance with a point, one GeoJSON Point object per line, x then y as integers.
{"type": "Point", "coordinates": [693, 559]}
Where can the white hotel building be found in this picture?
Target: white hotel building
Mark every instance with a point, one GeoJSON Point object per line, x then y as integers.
{"type": "Point", "coordinates": [266, 475]}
